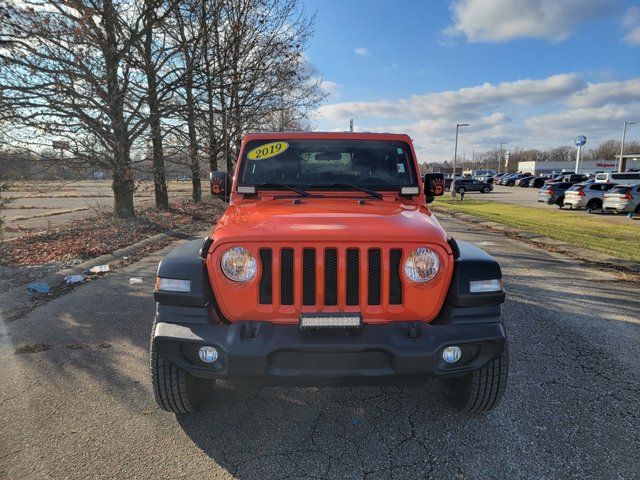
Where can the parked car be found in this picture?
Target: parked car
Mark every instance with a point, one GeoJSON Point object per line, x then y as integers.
{"type": "Point", "coordinates": [523, 182]}
{"type": "Point", "coordinates": [623, 198]}
{"type": "Point", "coordinates": [586, 195]}
{"type": "Point", "coordinates": [485, 173]}
{"type": "Point", "coordinates": [553, 194]}
{"type": "Point", "coordinates": [273, 296]}
{"type": "Point", "coordinates": [620, 178]}
{"type": "Point", "coordinates": [568, 177]}
{"type": "Point", "coordinates": [472, 185]}
{"type": "Point", "coordinates": [484, 178]}
{"type": "Point", "coordinates": [498, 177]}
{"type": "Point", "coordinates": [510, 181]}
{"type": "Point", "coordinates": [505, 178]}
{"type": "Point", "coordinates": [537, 182]}
{"type": "Point", "coordinates": [447, 184]}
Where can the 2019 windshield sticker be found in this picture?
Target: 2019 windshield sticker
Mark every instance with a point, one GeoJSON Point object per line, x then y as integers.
{"type": "Point", "coordinates": [268, 150]}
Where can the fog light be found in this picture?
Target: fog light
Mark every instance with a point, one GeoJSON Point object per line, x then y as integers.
{"type": "Point", "coordinates": [452, 354]}
{"type": "Point", "coordinates": [208, 354]}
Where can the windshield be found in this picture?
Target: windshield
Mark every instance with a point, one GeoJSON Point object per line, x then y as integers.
{"type": "Point", "coordinates": [328, 164]}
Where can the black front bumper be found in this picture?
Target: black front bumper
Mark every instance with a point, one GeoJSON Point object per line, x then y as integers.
{"type": "Point", "coordinates": [373, 354]}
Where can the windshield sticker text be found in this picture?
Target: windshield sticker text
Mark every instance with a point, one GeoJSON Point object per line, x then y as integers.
{"type": "Point", "coordinates": [268, 150]}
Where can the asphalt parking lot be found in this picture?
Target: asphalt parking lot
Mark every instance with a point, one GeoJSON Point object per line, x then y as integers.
{"type": "Point", "coordinates": [77, 401]}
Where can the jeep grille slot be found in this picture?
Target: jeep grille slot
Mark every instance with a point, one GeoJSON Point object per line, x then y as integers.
{"type": "Point", "coordinates": [331, 276]}
{"type": "Point", "coordinates": [395, 282]}
{"type": "Point", "coordinates": [265, 292]}
{"type": "Point", "coordinates": [308, 276]}
{"type": "Point", "coordinates": [375, 268]}
{"type": "Point", "coordinates": [286, 276]}
{"type": "Point", "coordinates": [353, 276]}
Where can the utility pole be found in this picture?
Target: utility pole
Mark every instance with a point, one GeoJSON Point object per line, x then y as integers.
{"type": "Point", "coordinates": [351, 125]}
{"type": "Point", "coordinates": [624, 134]}
{"type": "Point", "coordinates": [501, 155]}
{"type": "Point", "coordinates": [455, 157]}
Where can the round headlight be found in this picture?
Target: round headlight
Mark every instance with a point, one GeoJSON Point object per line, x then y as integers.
{"type": "Point", "coordinates": [238, 264]}
{"type": "Point", "coordinates": [422, 265]}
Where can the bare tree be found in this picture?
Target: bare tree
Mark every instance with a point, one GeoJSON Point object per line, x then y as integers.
{"type": "Point", "coordinates": [66, 73]}
{"type": "Point", "coordinates": [156, 55]}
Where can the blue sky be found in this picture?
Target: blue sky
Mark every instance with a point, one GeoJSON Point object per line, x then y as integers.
{"type": "Point", "coordinates": [535, 73]}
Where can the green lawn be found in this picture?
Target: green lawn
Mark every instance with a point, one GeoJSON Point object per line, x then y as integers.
{"type": "Point", "coordinates": [581, 229]}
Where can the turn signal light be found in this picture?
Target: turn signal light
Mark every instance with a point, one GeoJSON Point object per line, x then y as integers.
{"type": "Point", "coordinates": [486, 286]}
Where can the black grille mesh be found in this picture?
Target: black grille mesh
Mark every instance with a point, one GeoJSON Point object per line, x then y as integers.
{"type": "Point", "coordinates": [374, 277]}
{"type": "Point", "coordinates": [353, 276]}
{"type": "Point", "coordinates": [286, 276]}
{"type": "Point", "coordinates": [395, 282]}
{"type": "Point", "coordinates": [331, 276]}
{"type": "Point", "coordinates": [265, 281]}
{"type": "Point", "coordinates": [308, 276]}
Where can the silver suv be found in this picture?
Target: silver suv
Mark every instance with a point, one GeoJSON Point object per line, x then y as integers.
{"type": "Point", "coordinates": [623, 199]}
{"type": "Point", "coordinates": [587, 195]}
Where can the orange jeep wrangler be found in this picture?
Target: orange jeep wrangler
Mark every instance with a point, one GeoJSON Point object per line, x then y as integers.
{"type": "Point", "coordinates": [328, 268]}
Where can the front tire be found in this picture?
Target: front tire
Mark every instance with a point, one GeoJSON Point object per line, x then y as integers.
{"type": "Point", "coordinates": [481, 390]}
{"type": "Point", "coordinates": [175, 389]}
{"type": "Point", "coordinates": [486, 190]}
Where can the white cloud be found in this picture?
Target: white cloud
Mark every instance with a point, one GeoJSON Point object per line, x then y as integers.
{"type": "Point", "coordinates": [597, 123]}
{"type": "Point", "coordinates": [542, 113]}
{"type": "Point", "coordinates": [465, 101]}
{"type": "Point", "coordinates": [631, 23]}
{"type": "Point", "coordinates": [362, 51]}
{"type": "Point", "coordinates": [599, 94]}
{"type": "Point", "coordinates": [329, 87]}
{"type": "Point", "coordinates": [503, 20]}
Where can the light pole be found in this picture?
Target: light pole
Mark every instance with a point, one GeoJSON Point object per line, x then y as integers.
{"type": "Point", "coordinates": [501, 155]}
{"type": "Point", "coordinates": [455, 157]}
{"type": "Point", "coordinates": [624, 134]}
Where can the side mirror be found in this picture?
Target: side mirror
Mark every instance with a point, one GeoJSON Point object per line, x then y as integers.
{"type": "Point", "coordinates": [219, 184]}
{"type": "Point", "coordinates": [433, 185]}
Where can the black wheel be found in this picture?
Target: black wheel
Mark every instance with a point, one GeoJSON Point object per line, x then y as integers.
{"type": "Point", "coordinates": [461, 190]}
{"type": "Point", "coordinates": [175, 389]}
{"type": "Point", "coordinates": [447, 189]}
{"type": "Point", "coordinates": [486, 190]}
{"type": "Point", "coordinates": [560, 201]}
{"type": "Point", "coordinates": [481, 390]}
{"type": "Point", "coordinates": [594, 205]}
{"type": "Point", "coordinates": [510, 184]}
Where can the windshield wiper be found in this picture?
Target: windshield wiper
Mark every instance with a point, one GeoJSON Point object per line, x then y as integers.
{"type": "Point", "coordinates": [284, 186]}
{"type": "Point", "coordinates": [368, 191]}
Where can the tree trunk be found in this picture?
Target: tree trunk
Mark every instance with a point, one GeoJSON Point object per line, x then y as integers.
{"type": "Point", "coordinates": [159, 179]}
{"type": "Point", "coordinates": [123, 188]}
{"type": "Point", "coordinates": [196, 192]}
{"type": "Point", "coordinates": [123, 184]}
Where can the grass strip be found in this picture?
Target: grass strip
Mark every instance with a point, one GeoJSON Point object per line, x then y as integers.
{"type": "Point", "coordinates": [583, 230]}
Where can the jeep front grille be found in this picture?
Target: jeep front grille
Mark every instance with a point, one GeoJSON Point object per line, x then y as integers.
{"type": "Point", "coordinates": [331, 276]}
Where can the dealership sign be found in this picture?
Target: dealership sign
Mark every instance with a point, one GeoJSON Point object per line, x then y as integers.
{"type": "Point", "coordinates": [580, 140]}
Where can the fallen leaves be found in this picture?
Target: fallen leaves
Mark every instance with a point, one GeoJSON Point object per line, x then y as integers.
{"type": "Point", "coordinates": [102, 234]}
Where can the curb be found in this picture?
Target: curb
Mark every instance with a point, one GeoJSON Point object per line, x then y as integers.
{"type": "Point", "coordinates": [17, 302]}
{"type": "Point", "coordinates": [551, 244]}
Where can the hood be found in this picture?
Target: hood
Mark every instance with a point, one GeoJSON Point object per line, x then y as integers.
{"type": "Point", "coordinates": [328, 219]}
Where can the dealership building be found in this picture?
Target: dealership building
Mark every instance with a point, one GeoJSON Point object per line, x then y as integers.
{"type": "Point", "coordinates": [631, 162]}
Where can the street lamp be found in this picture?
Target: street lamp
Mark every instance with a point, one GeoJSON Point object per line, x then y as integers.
{"type": "Point", "coordinates": [501, 155]}
{"type": "Point", "coordinates": [455, 157]}
{"type": "Point", "coordinates": [624, 134]}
